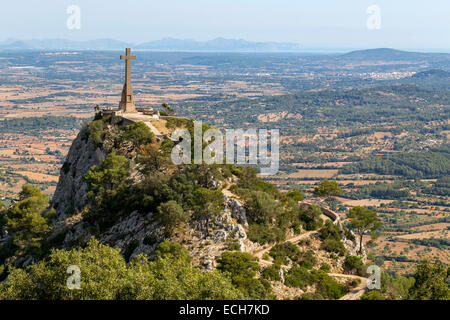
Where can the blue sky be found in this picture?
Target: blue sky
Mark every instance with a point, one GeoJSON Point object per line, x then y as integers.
{"type": "Point", "coordinates": [405, 24]}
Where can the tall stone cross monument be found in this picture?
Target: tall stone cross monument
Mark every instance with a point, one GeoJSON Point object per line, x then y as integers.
{"type": "Point", "coordinates": [127, 101]}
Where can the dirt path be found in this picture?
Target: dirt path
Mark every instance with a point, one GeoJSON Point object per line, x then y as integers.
{"type": "Point", "coordinates": [226, 191]}
{"type": "Point", "coordinates": [356, 292]}
{"type": "Point", "coordinates": [153, 128]}
{"type": "Point", "coordinates": [260, 252]}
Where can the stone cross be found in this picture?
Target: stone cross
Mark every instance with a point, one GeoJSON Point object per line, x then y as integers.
{"type": "Point", "coordinates": [127, 101]}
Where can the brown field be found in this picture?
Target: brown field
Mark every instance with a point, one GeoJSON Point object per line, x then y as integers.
{"type": "Point", "coordinates": [382, 135]}
{"type": "Point", "coordinates": [426, 235]}
{"type": "Point", "coordinates": [366, 176]}
{"type": "Point", "coordinates": [14, 189]}
{"type": "Point", "coordinates": [314, 165]}
{"type": "Point", "coordinates": [313, 173]}
{"type": "Point", "coordinates": [364, 202]}
{"type": "Point", "coordinates": [433, 226]}
{"type": "Point", "coordinates": [362, 182]}
{"type": "Point", "coordinates": [38, 176]}
{"type": "Point", "coordinates": [404, 248]}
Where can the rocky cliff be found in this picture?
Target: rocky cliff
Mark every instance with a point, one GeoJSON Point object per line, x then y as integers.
{"type": "Point", "coordinates": [139, 232]}
{"type": "Point", "coordinates": [205, 239]}
{"type": "Point", "coordinates": [71, 192]}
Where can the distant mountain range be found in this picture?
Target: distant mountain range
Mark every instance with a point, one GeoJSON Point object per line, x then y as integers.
{"type": "Point", "coordinates": [166, 44]}
{"type": "Point", "coordinates": [215, 45]}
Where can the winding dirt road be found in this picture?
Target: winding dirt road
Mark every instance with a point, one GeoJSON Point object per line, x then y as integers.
{"type": "Point", "coordinates": [356, 292]}
{"type": "Point", "coordinates": [260, 252]}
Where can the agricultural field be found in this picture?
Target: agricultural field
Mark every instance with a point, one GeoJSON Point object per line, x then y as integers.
{"type": "Point", "coordinates": [30, 155]}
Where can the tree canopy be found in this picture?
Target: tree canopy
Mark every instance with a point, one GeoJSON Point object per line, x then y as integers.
{"type": "Point", "coordinates": [104, 274]}
{"type": "Point", "coordinates": [430, 282]}
{"type": "Point", "coordinates": [363, 220]}
{"type": "Point", "coordinates": [327, 188]}
{"type": "Point", "coordinates": [24, 220]}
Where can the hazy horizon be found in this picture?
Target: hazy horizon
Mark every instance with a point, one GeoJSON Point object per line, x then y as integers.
{"type": "Point", "coordinates": [411, 25]}
{"type": "Point", "coordinates": [318, 50]}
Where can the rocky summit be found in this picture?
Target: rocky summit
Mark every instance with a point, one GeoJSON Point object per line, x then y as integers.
{"type": "Point", "coordinates": [119, 186]}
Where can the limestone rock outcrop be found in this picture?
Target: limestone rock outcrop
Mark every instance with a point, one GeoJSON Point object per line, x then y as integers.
{"type": "Point", "coordinates": [206, 239]}
{"type": "Point", "coordinates": [71, 191]}
{"type": "Point", "coordinates": [237, 210]}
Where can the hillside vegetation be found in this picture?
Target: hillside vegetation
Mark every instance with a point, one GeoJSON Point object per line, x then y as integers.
{"type": "Point", "coordinates": [141, 227]}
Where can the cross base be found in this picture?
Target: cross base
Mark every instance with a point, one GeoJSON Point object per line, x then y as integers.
{"type": "Point", "coordinates": [127, 101]}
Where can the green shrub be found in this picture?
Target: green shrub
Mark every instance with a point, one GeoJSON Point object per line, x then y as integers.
{"type": "Point", "coordinates": [151, 158]}
{"type": "Point", "coordinates": [105, 275]}
{"type": "Point", "coordinates": [50, 215]}
{"type": "Point", "coordinates": [24, 220]}
{"type": "Point", "coordinates": [372, 295]}
{"type": "Point", "coordinates": [325, 267]}
{"type": "Point", "coordinates": [296, 195]}
{"type": "Point", "coordinates": [138, 133]}
{"type": "Point", "coordinates": [355, 282]}
{"type": "Point", "coordinates": [234, 246]}
{"type": "Point", "coordinates": [272, 272]}
{"type": "Point", "coordinates": [308, 259]}
{"type": "Point", "coordinates": [176, 123]}
{"type": "Point", "coordinates": [310, 218]}
{"type": "Point", "coordinates": [262, 234]}
{"type": "Point", "coordinates": [250, 182]}
{"type": "Point", "coordinates": [107, 186]}
{"type": "Point", "coordinates": [238, 263]}
{"type": "Point", "coordinates": [396, 288]}
{"type": "Point", "coordinates": [261, 207]}
{"type": "Point", "coordinates": [298, 277]}
{"type": "Point", "coordinates": [207, 203]}
{"type": "Point", "coordinates": [173, 250]}
{"type": "Point", "coordinates": [96, 132]}
{"type": "Point", "coordinates": [242, 268]}
{"type": "Point", "coordinates": [332, 245]}
{"type": "Point", "coordinates": [330, 231]}
{"type": "Point", "coordinates": [354, 265]}
{"type": "Point", "coordinates": [284, 251]}
{"type": "Point", "coordinates": [311, 296]}
{"type": "Point", "coordinates": [253, 288]}
{"type": "Point", "coordinates": [170, 214]}
{"type": "Point", "coordinates": [348, 234]}
{"type": "Point", "coordinates": [296, 227]}
{"type": "Point", "coordinates": [327, 286]}
{"type": "Point", "coordinates": [431, 282]}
